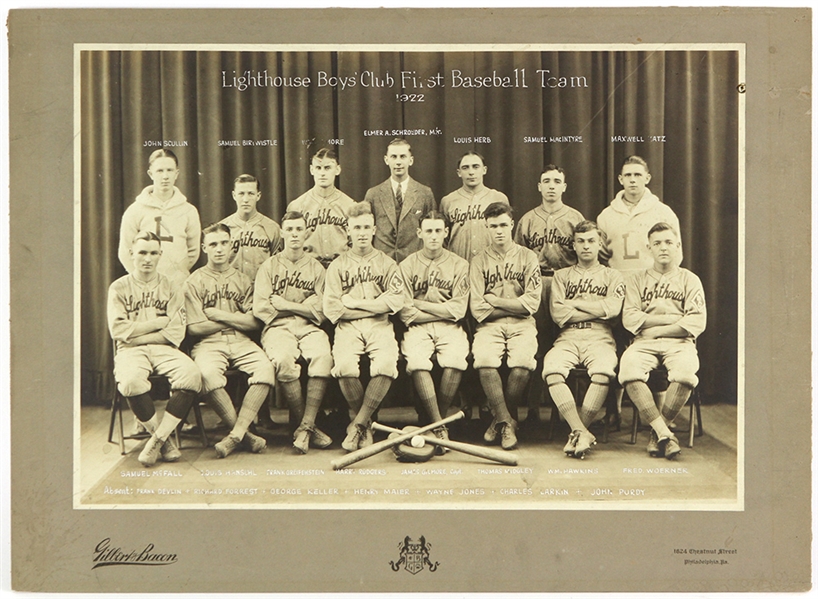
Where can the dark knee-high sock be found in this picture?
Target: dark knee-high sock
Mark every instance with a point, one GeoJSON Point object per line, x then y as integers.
{"type": "Point", "coordinates": [676, 398]}
{"type": "Point", "coordinates": [220, 402]}
{"type": "Point", "coordinates": [515, 387]}
{"type": "Point", "coordinates": [178, 406]}
{"type": "Point", "coordinates": [593, 402]}
{"type": "Point", "coordinates": [643, 400]}
{"type": "Point", "coordinates": [493, 388]}
{"type": "Point", "coordinates": [353, 392]}
{"type": "Point", "coordinates": [253, 399]}
{"type": "Point", "coordinates": [316, 387]}
{"type": "Point", "coordinates": [292, 395]}
{"type": "Point", "coordinates": [425, 387]}
{"type": "Point", "coordinates": [376, 390]}
{"type": "Point", "coordinates": [449, 384]}
{"type": "Point", "coordinates": [142, 406]}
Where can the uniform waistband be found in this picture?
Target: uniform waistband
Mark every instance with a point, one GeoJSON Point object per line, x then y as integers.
{"type": "Point", "coordinates": [588, 325]}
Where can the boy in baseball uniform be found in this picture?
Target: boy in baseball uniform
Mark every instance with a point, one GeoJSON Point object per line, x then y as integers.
{"type": "Point", "coordinates": [288, 299]}
{"type": "Point", "coordinates": [219, 301]}
{"type": "Point", "coordinates": [325, 208]}
{"type": "Point", "coordinates": [548, 231]}
{"type": "Point", "coordinates": [585, 299]}
{"type": "Point", "coordinates": [436, 297]}
{"type": "Point", "coordinates": [665, 309]}
{"type": "Point", "coordinates": [146, 319]}
{"type": "Point", "coordinates": [253, 236]}
{"type": "Point", "coordinates": [163, 209]}
{"type": "Point", "coordinates": [464, 207]}
{"type": "Point", "coordinates": [398, 203]}
{"type": "Point", "coordinates": [363, 287]}
{"type": "Point", "coordinates": [506, 288]}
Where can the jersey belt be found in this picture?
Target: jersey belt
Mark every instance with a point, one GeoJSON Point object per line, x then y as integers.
{"type": "Point", "coordinates": [545, 272]}
{"type": "Point", "coordinates": [587, 325]}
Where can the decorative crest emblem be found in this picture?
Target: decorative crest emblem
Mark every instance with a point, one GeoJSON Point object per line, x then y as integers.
{"type": "Point", "coordinates": [414, 555]}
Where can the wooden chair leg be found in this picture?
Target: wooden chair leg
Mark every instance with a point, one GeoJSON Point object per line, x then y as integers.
{"type": "Point", "coordinates": [553, 420]}
{"type": "Point", "coordinates": [692, 428]}
{"type": "Point", "coordinates": [120, 401]}
{"type": "Point", "coordinates": [112, 422]}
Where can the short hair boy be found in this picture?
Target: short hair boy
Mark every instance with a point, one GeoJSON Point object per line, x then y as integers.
{"type": "Point", "coordinates": [464, 207]}
{"type": "Point", "coordinates": [219, 302]}
{"type": "Point", "coordinates": [146, 319]}
{"type": "Point", "coordinates": [585, 299]}
{"type": "Point", "coordinates": [325, 209]}
{"type": "Point", "coordinates": [253, 236]}
{"type": "Point", "coordinates": [288, 299]}
{"type": "Point", "coordinates": [363, 286]}
{"type": "Point", "coordinates": [436, 298]}
{"type": "Point", "coordinates": [665, 309]}
{"type": "Point", "coordinates": [505, 293]}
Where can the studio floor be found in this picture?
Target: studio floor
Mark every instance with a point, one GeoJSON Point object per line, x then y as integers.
{"type": "Point", "coordinates": [615, 475]}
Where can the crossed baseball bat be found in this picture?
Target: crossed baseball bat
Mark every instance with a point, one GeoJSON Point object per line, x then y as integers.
{"type": "Point", "coordinates": [376, 448]}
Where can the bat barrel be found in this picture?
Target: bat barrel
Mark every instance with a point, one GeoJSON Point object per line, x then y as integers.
{"type": "Point", "coordinates": [475, 450]}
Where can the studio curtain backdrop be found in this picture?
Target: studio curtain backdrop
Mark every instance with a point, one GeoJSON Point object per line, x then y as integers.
{"type": "Point", "coordinates": [130, 98]}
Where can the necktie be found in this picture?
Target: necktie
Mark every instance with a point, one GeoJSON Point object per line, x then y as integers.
{"type": "Point", "coordinates": [399, 199]}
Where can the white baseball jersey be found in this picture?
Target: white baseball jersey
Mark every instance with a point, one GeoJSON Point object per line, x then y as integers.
{"type": "Point", "coordinates": [598, 283]}
{"type": "Point", "coordinates": [175, 222]}
{"type": "Point", "coordinates": [326, 223]}
{"type": "Point", "coordinates": [252, 241]}
{"type": "Point", "coordinates": [469, 235]}
{"type": "Point", "coordinates": [231, 291]}
{"type": "Point", "coordinates": [627, 230]}
{"type": "Point", "coordinates": [301, 282]}
{"type": "Point", "coordinates": [513, 275]}
{"type": "Point", "coordinates": [678, 292]}
{"type": "Point", "coordinates": [550, 236]}
{"type": "Point", "coordinates": [372, 276]}
{"type": "Point", "coordinates": [444, 280]}
{"type": "Point", "coordinates": [131, 301]}
{"type": "Point", "coordinates": [364, 277]}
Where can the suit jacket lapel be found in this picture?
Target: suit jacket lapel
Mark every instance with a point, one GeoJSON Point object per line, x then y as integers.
{"type": "Point", "coordinates": [387, 202]}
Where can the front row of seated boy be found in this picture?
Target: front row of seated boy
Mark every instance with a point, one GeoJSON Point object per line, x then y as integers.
{"type": "Point", "coordinates": [433, 292]}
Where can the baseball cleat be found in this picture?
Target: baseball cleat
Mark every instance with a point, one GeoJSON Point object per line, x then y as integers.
{"type": "Point", "coordinates": [226, 446]}
{"type": "Point", "coordinates": [654, 450]}
{"type": "Point", "coordinates": [355, 433]}
{"type": "Point", "coordinates": [672, 448]}
{"type": "Point", "coordinates": [584, 442]}
{"type": "Point", "coordinates": [301, 440]}
{"type": "Point", "coordinates": [441, 433]}
{"type": "Point", "coordinates": [508, 440]}
{"type": "Point", "coordinates": [490, 436]}
{"type": "Point", "coordinates": [320, 439]}
{"type": "Point", "coordinates": [367, 438]}
{"type": "Point", "coordinates": [572, 442]}
{"type": "Point", "coordinates": [253, 443]}
{"type": "Point", "coordinates": [150, 453]}
{"type": "Point", "coordinates": [169, 452]}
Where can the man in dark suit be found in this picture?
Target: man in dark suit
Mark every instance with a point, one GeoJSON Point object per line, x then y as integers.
{"type": "Point", "coordinates": [398, 204]}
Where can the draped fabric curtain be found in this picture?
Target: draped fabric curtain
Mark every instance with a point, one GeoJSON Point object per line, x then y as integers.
{"type": "Point", "coordinates": [680, 108]}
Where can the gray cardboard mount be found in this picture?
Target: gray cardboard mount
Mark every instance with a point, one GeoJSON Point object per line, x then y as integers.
{"type": "Point", "coordinates": [348, 550]}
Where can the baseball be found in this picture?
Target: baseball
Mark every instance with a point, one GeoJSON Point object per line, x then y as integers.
{"type": "Point", "coordinates": [418, 441]}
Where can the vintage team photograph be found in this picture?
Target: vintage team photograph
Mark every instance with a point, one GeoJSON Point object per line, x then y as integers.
{"type": "Point", "coordinates": [409, 277]}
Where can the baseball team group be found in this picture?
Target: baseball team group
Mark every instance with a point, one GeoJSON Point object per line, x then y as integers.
{"type": "Point", "coordinates": [460, 284]}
